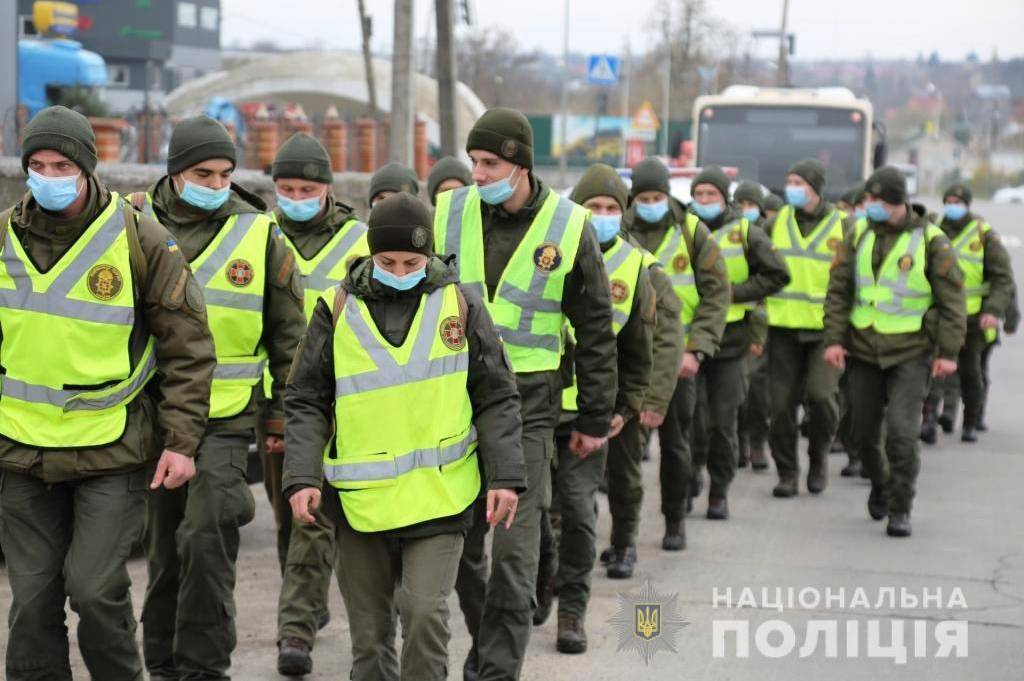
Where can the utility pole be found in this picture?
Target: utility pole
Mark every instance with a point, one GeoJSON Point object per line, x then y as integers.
{"type": "Point", "coordinates": [783, 71]}
{"type": "Point", "coordinates": [563, 159]}
{"type": "Point", "coordinates": [367, 27]}
{"type": "Point", "coordinates": [666, 82]}
{"type": "Point", "coordinates": [627, 73]}
{"type": "Point", "coordinates": [402, 98]}
{"type": "Point", "coordinates": [446, 75]}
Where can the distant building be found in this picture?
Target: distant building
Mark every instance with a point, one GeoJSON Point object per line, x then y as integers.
{"type": "Point", "coordinates": [178, 39]}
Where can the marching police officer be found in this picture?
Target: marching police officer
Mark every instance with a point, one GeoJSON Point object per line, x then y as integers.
{"type": "Point", "coordinates": [392, 178]}
{"type": "Point", "coordinates": [92, 295]}
{"type": "Point", "coordinates": [448, 173]}
{"type": "Point", "coordinates": [602, 192]}
{"type": "Point", "coordinates": [988, 286]}
{"type": "Point", "coordinates": [755, 414]}
{"type": "Point", "coordinates": [694, 263]}
{"type": "Point", "coordinates": [254, 297]}
{"type": "Point", "coordinates": [895, 315]}
{"type": "Point", "coordinates": [807, 232]}
{"type": "Point", "coordinates": [399, 387]}
{"type": "Point", "coordinates": [533, 258]}
{"type": "Point", "coordinates": [325, 237]}
{"type": "Point", "coordinates": [755, 270]}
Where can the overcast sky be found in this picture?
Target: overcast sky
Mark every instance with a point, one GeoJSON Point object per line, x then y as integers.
{"type": "Point", "coordinates": [824, 28]}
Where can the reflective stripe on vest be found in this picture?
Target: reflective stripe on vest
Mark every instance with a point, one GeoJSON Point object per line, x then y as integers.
{"type": "Point", "coordinates": [622, 263]}
{"type": "Point", "coordinates": [71, 325]}
{"type": "Point", "coordinates": [405, 448]}
{"type": "Point", "coordinates": [732, 239]}
{"type": "Point", "coordinates": [970, 256]}
{"type": "Point", "coordinates": [895, 300]}
{"type": "Point", "coordinates": [329, 265]}
{"type": "Point", "coordinates": [527, 305]}
{"type": "Point", "coordinates": [801, 304]}
{"type": "Point", "coordinates": [674, 256]}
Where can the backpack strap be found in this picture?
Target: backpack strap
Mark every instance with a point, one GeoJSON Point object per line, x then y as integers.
{"type": "Point", "coordinates": [340, 298]}
{"type": "Point", "coordinates": [463, 306]}
{"type": "Point", "coordinates": [5, 218]}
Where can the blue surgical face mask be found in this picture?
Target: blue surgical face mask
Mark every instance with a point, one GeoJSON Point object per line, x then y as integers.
{"type": "Point", "coordinates": [403, 283]}
{"type": "Point", "coordinates": [752, 214]}
{"type": "Point", "coordinates": [652, 212]}
{"type": "Point", "coordinates": [204, 198]}
{"type": "Point", "coordinates": [796, 196]}
{"type": "Point", "coordinates": [497, 193]}
{"type": "Point", "coordinates": [707, 211]}
{"type": "Point", "coordinates": [53, 193]}
{"type": "Point", "coordinates": [860, 213]}
{"type": "Point", "coordinates": [299, 211]}
{"type": "Point", "coordinates": [877, 212]}
{"type": "Point", "coordinates": [955, 211]}
{"type": "Point", "coordinates": [606, 226]}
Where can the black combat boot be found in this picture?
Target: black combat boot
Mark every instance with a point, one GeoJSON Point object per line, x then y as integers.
{"type": "Point", "coordinates": [817, 475]}
{"type": "Point", "coordinates": [787, 487]}
{"type": "Point", "coordinates": [675, 536]}
{"type": "Point", "coordinates": [718, 508]}
{"type": "Point", "coordinates": [878, 502]}
{"type": "Point", "coordinates": [572, 638]}
{"type": "Point", "coordinates": [294, 657]}
{"type": "Point", "coordinates": [899, 525]}
{"type": "Point", "coordinates": [622, 563]}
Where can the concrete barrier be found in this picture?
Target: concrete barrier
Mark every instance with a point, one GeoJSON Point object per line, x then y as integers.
{"type": "Point", "coordinates": [350, 188]}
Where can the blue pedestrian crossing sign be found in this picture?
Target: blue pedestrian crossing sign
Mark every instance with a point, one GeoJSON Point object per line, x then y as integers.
{"type": "Point", "coordinates": [602, 69]}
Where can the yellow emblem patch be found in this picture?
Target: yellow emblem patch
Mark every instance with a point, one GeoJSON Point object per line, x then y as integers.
{"type": "Point", "coordinates": [620, 291]}
{"type": "Point", "coordinates": [680, 263]}
{"type": "Point", "coordinates": [975, 245]}
{"type": "Point", "coordinates": [239, 273]}
{"type": "Point", "coordinates": [547, 257]}
{"type": "Point", "coordinates": [452, 334]}
{"type": "Point", "coordinates": [905, 263]}
{"type": "Point", "coordinates": [104, 281]}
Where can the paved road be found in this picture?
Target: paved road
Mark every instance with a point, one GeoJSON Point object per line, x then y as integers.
{"type": "Point", "coordinates": [968, 536]}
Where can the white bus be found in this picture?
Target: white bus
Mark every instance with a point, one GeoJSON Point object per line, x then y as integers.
{"type": "Point", "coordinates": [763, 131]}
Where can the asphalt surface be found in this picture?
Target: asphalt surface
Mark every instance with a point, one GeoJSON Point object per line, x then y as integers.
{"type": "Point", "coordinates": [968, 541]}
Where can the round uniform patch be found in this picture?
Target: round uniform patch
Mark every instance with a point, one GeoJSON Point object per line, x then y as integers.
{"type": "Point", "coordinates": [239, 272]}
{"type": "Point", "coordinates": [547, 257]}
{"type": "Point", "coordinates": [735, 236]}
{"type": "Point", "coordinates": [452, 334]}
{"type": "Point", "coordinates": [680, 263]}
{"type": "Point", "coordinates": [975, 245]}
{"type": "Point", "coordinates": [104, 281]}
{"type": "Point", "coordinates": [509, 148]}
{"type": "Point", "coordinates": [832, 244]}
{"type": "Point", "coordinates": [905, 263]}
{"type": "Point", "coordinates": [419, 237]}
{"type": "Point", "coordinates": [310, 171]}
{"type": "Point", "coordinates": [620, 291]}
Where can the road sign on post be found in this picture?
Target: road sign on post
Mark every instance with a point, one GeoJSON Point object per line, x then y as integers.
{"type": "Point", "coordinates": [602, 69]}
{"type": "Point", "coordinates": [644, 124]}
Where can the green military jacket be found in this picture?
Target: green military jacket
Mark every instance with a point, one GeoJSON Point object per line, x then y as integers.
{"type": "Point", "coordinates": [283, 319]}
{"type": "Point", "coordinates": [709, 271]}
{"type": "Point", "coordinates": [945, 324]}
{"type": "Point", "coordinates": [170, 307]}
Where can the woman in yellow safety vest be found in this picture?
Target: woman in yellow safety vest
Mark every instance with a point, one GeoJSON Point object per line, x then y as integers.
{"type": "Point", "coordinates": [401, 408]}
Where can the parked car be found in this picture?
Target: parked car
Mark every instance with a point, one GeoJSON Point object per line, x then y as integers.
{"type": "Point", "coordinates": [1009, 195]}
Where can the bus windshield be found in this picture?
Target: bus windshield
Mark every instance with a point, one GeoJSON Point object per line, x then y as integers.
{"type": "Point", "coordinates": [764, 141]}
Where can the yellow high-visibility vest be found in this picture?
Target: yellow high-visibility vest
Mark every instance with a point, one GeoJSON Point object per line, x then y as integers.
{"type": "Point", "coordinates": [68, 372]}
{"type": "Point", "coordinates": [894, 301]}
{"type": "Point", "coordinates": [801, 304]}
{"type": "Point", "coordinates": [405, 445]}
{"type": "Point", "coordinates": [527, 304]}
{"type": "Point", "coordinates": [732, 239]}
{"type": "Point", "coordinates": [674, 256]}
